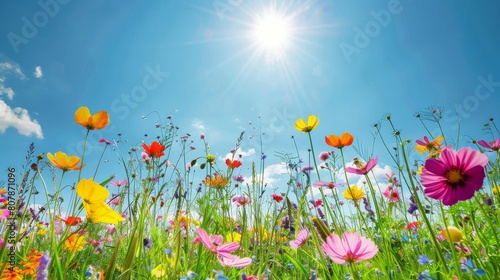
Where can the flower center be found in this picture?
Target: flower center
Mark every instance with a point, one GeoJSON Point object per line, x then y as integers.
{"type": "Point", "coordinates": [350, 258]}
{"type": "Point", "coordinates": [454, 176]}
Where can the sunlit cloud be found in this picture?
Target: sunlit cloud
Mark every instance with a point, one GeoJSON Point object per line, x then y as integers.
{"type": "Point", "coordinates": [38, 72]}
{"type": "Point", "coordinates": [19, 119]}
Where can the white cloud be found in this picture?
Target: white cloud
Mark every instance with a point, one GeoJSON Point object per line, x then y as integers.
{"type": "Point", "coordinates": [270, 173]}
{"type": "Point", "coordinates": [241, 152]}
{"type": "Point", "coordinates": [38, 72]}
{"type": "Point", "coordinates": [19, 119]}
{"type": "Point", "coordinates": [198, 124]}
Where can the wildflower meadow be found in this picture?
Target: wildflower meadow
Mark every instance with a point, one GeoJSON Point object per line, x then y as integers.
{"type": "Point", "coordinates": [179, 214]}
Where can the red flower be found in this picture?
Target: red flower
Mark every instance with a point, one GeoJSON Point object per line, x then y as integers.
{"type": "Point", "coordinates": [412, 225]}
{"type": "Point", "coordinates": [154, 150]}
{"type": "Point", "coordinates": [277, 197]}
{"type": "Point", "coordinates": [318, 203]}
{"type": "Point", "coordinates": [233, 163]}
{"type": "Point", "coordinates": [72, 220]}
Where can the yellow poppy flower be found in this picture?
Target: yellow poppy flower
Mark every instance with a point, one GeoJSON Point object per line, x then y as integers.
{"type": "Point", "coordinates": [233, 237]}
{"type": "Point", "coordinates": [454, 236]}
{"type": "Point", "coordinates": [75, 242]}
{"type": "Point", "coordinates": [102, 213]}
{"type": "Point", "coordinates": [312, 123]}
{"type": "Point", "coordinates": [97, 121]}
{"type": "Point", "coordinates": [91, 193]}
{"type": "Point", "coordinates": [354, 193]}
{"type": "Point", "coordinates": [64, 162]}
{"type": "Point", "coordinates": [496, 190]}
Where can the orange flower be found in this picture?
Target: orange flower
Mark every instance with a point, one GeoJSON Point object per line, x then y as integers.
{"type": "Point", "coordinates": [11, 273]}
{"type": "Point", "coordinates": [233, 163]}
{"type": "Point", "coordinates": [345, 139]}
{"type": "Point", "coordinates": [72, 220]}
{"type": "Point", "coordinates": [97, 121]}
{"type": "Point", "coordinates": [30, 266]}
{"type": "Point", "coordinates": [217, 181]}
{"type": "Point", "coordinates": [62, 161]}
{"type": "Point", "coordinates": [154, 150]}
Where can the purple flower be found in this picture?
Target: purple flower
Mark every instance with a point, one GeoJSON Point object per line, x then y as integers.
{"type": "Point", "coordinates": [413, 207]}
{"type": "Point", "coordinates": [43, 266]}
{"type": "Point", "coordinates": [455, 176]}
{"type": "Point", "coordinates": [493, 145]}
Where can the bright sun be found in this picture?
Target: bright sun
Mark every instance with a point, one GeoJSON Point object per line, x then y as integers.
{"type": "Point", "coordinates": [272, 32]}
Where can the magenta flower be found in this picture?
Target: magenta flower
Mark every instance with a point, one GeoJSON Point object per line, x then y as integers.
{"type": "Point", "coordinates": [214, 243]}
{"type": "Point", "coordinates": [324, 156]}
{"type": "Point", "coordinates": [102, 140]}
{"type": "Point", "coordinates": [362, 169]}
{"type": "Point", "coordinates": [350, 249]}
{"type": "Point", "coordinates": [301, 238]}
{"type": "Point", "coordinates": [234, 261]}
{"type": "Point", "coordinates": [4, 214]}
{"type": "Point", "coordinates": [241, 200]}
{"type": "Point", "coordinates": [455, 176]}
{"type": "Point", "coordinates": [493, 145]}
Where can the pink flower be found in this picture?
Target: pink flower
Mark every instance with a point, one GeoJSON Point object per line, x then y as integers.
{"type": "Point", "coordinates": [111, 229]}
{"type": "Point", "coordinates": [234, 261]}
{"type": "Point", "coordinates": [241, 200]}
{"type": "Point", "coordinates": [324, 156]}
{"type": "Point", "coordinates": [350, 249]}
{"type": "Point", "coordinates": [362, 169]}
{"type": "Point", "coordinates": [118, 183]}
{"type": "Point", "coordinates": [115, 201]}
{"type": "Point", "coordinates": [330, 185]}
{"type": "Point", "coordinates": [301, 238]}
{"type": "Point", "coordinates": [214, 243]}
{"type": "Point", "coordinates": [392, 194]}
{"type": "Point", "coordinates": [455, 176]}
{"type": "Point", "coordinates": [102, 140]}
{"type": "Point", "coordinates": [493, 145]}
{"type": "Point", "coordinates": [202, 136]}
{"type": "Point", "coordinates": [4, 214]}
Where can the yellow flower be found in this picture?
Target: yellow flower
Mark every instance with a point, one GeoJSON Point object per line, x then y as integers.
{"type": "Point", "coordinates": [210, 158]}
{"type": "Point", "coordinates": [312, 123]}
{"type": "Point", "coordinates": [354, 193]}
{"type": "Point", "coordinates": [75, 242]}
{"type": "Point", "coordinates": [94, 197]}
{"type": "Point", "coordinates": [496, 190]}
{"type": "Point", "coordinates": [102, 213]}
{"type": "Point", "coordinates": [158, 271]}
{"type": "Point", "coordinates": [233, 237]}
{"type": "Point", "coordinates": [431, 146]}
{"type": "Point", "coordinates": [41, 232]}
{"type": "Point", "coordinates": [454, 236]}
{"type": "Point", "coordinates": [97, 121]}
{"type": "Point", "coordinates": [63, 162]}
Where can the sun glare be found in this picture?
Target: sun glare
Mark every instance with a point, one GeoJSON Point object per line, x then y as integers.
{"type": "Point", "coordinates": [272, 32]}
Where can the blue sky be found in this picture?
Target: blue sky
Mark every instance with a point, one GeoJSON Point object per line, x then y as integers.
{"type": "Point", "coordinates": [348, 62]}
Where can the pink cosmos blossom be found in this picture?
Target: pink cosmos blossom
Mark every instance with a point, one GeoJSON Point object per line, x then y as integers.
{"type": "Point", "coordinates": [115, 201]}
{"type": "Point", "coordinates": [350, 249]}
{"type": "Point", "coordinates": [363, 169]}
{"type": "Point", "coordinates": [234, 261]}
{"type": "Point", "coordinates": [301, 238]}
{"type": "Point", "coordinates": [330, 185]}
{"type": "Point", "coordinates": [102, 140]}
{"type": "Point", "coordinates": [118, 183]}
{"type": "Point", "coordinates": [241, 200]}
{"type": "Point", "coordinates": [392, 194]}
{"type": "Point", "coordinates": [493, 145]}
{"type": "Point", "coordinates": [111, 229]}
{"type": "Point", "coordinates": [455, 176]}
{"type": "Point", "coordinates": [214, 243]}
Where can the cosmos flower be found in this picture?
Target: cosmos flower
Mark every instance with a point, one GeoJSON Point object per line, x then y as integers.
{"type": "Point", "coordinates": [344, 140]}
{"type": "Point", "coordinates": [493, 145]}
{"type": "Point", "coordinates": [118, 183]}
{"type": "Point", "coordinates": [455, 176]}
{"type": "Point", "coordinates": [312, 123]}
{"type": "Point", "coordinates": [300, 239]}
{"type": "Point", "coordinates": [392, 194]}
{"type": "Point", "coordinates": [330, 185]}
{"type": "Point", "coordinates": [97, 121]}
{"type": "Point", "coordinates": [94, 196]}
{"type": "Point", "coordinates": [215, 244]}
{"type": "Point", "coordinates": [351, 248]}
{"type": "Point", "coordinates": [362, 169]}
{"type": "Point", "coordinates": [64, 162]}
{"type": "Point", "coordinates": [155, 150]}
{"type": "Point", "coordinates": [241, 200]}
{"type": "Point", "coordinates": [234, 261]}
